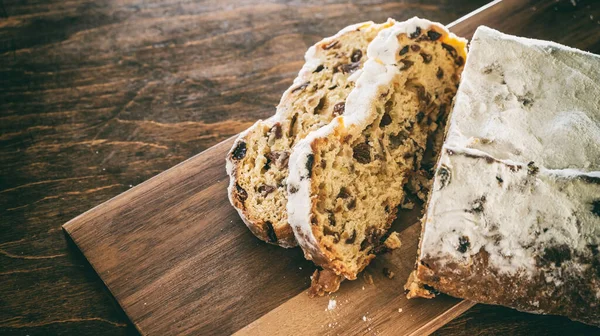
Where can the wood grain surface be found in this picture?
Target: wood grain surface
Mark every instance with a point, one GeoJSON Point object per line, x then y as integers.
{"type": "Point", "coordinates": [98, 96]}
{"type": "Point", "coordinates": [179, 260]}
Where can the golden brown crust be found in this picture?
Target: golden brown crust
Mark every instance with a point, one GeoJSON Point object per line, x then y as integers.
{"type": "Point", "coordinates": [282, 236]}
{"type": "Point", "coordinates": [479, 282]}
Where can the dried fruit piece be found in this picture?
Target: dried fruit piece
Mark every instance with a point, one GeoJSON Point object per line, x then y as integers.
{"type": "Point", "coordinates": [264, 189]}
{"type": "Point", "coordinates": [372, 236]}
{"type": "Point", "coordinates": [440, 73]}
{"type": "Point", "coordinates": [477, 205]}
{"type": "Point", "coordinates": [397, 139]}
{"type": "Point", "coordinates": [386, 119]}
{"type": "Point", "coordinates": [319, 68]}
{"type": "Point", "coordinates": [415, 47]}
{"type": "Point", "coordinates": [404, 50]}
{"type": "Point", "coordinates": [339, 108]}
{"type": "Point", "coordinates": [292, 124]}
{"type": "Point", "coordinates": [406, 64]}
{"type": "Point", "coordinates": [426, 57]}
{"type": "Point", "coordinates": [349, 68]}
{"type": "Point", "coordinates": [352, 204]}
{"type": "Point", "coordinates": [344, 193]}
{"type": "Point", "coordinates": [444, 175]}
{"type": "Point", "coordinates": [433, 35]}
{"type": "Point", "coordinates": [362, 153]}
{"type": "Point", "coordinates": [331, 45]}
{"type": "Point", "coordinates": [450, 50]}
{"type": "Point", "coordinates": [271, 232]}
{"type": "Point", "coordinates": [310, 160]}
{"type": "Point", "coordinates": [416, 33]}
{"type": "Point", "coordinates": [241, 194]}
{"type": "Point", "coordinates": [596, 207]}
{"type": "Point", "coordinates": [313, 220]}
{"type": "Point", "coordinates": [364, 244]}
{"type": "Point", "coordinates": [240, 151]}
{"type": "Point", "coordinates": [280, 158]}
{"type": "Point", "coordinates": [320, 105]}
{"type": "Point", "coordinates": [276, 131]}
{"type": "Point", "coordinates": [352, 238]}
{"type": "Point", "coordinates": [463, 244]}
{"type": "Point", "coordinates": [356, 55]}
{"type": "Point", "coordinates": [332, 221]}
{"type": "Point", "coordinates": [532, 169]}
{"type": "Point", "coordinates": [441, 113]}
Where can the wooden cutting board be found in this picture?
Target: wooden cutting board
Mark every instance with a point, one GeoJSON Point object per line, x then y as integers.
{"type": "Point", "coordinates": [178, 259]}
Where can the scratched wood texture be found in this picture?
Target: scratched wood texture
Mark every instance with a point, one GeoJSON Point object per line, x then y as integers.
{"type": "Point", "coordinates": [98, 96]}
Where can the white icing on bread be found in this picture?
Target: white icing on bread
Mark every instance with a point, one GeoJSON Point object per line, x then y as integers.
{"type": "Point", "coordinates": [514, 215]}
{"type": "Point", "coordinates": [375, 79]}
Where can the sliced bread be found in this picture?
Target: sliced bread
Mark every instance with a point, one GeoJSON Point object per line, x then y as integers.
{"type": "Point", "coordinates": [258, 161]}
{"type": "Point", "coordinates": [347, 179]}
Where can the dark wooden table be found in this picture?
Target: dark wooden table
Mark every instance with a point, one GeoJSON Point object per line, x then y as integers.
{"type": "Point", "coordinates": [98, 96]}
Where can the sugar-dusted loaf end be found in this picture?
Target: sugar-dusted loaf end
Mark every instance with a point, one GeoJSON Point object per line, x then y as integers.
{"type": "Point", "coordinates": [514, 214]}
{"type": "Point", "coordinates": [258, 161]}
{"type": "Point", "coordinates": [346, 179]}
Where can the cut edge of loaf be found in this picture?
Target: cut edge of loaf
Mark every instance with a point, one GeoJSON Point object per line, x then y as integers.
{"type": "Point", "coordinates": [544, 275]}
{"type": "Point", "coordinates": [302, 187]}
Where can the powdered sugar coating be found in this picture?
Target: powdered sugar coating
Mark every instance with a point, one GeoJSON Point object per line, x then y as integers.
{"type": "Point", "coordinates": [311, 61]}
{"type": "Point", "coordinates": [514, 214]}
{"type": "Point", "coordinates": [512, 210]}
{"type": "Point", "coordinates": [519, 101]}
{"type": "Point", "coordinates": [529, 100]}
{"type": "Point", "coordinates": [377, 73]}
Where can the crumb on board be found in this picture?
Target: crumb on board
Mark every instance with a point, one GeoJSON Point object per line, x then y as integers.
{"type": "Point", "coordinates": [393, 241]}
{"type": "Point", "coordinates": [332, 304]}
{"type": "Point", "coordinates": [407, 204]}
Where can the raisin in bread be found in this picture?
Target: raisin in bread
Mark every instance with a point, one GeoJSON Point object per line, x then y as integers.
{"type": "Point", "coordinates": [346, 179]}
{"type": "Point", "coordinates": [514, 215]}
{"type": "Point", "coordinates": [257, 163]}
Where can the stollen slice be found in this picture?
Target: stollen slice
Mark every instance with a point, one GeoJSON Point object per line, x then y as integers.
{"type": "Point", "coordinates": [258, 161]}
{"type": "Point", "coordinates": [347, 179]}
